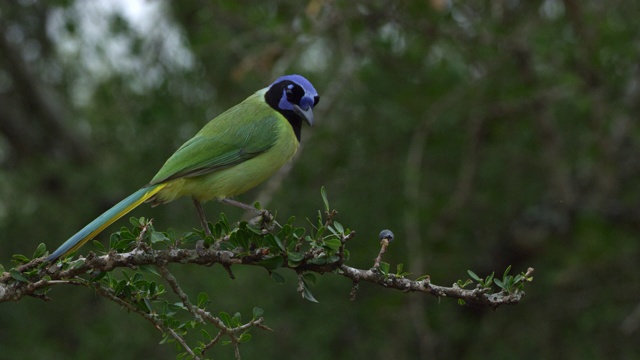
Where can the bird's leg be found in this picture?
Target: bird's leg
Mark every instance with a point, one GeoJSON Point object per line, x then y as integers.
{"type": "Point", "coordinates": [265, 217]}
{"type": "Point", "coordinates": [241, 205]}
{"type": "Point", "coordinates": [203, 218]}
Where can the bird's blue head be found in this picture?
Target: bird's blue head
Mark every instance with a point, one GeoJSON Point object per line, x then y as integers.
{"type": "Point", "coordinates": [294, 97]}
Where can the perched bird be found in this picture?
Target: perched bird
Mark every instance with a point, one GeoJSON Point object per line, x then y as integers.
{"type": "Point", "coordinates": [236, 151]}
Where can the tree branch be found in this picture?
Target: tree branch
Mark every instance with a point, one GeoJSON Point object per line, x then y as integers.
{"type": "Point", "coordinates": [12, 289]}
{"type": "Point", "coordinates": [322, 250]}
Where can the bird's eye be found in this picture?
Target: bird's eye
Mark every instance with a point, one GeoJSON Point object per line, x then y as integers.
{"type": "Point", "coordinates": [316, 99]}
{"type": "Point", "coordinates": [289, 92]}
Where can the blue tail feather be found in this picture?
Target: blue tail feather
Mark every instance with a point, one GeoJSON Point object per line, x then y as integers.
{"type": "Point", "coordinates": [110, 216]}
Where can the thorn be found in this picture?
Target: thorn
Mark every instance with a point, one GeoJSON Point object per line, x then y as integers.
{"type": "Point", "coordinates": [354, 290]}
{"type": "Point", "coordinates": [228, 269]}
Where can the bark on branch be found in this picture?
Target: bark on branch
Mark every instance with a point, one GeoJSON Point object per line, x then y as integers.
{"type": "Point", "coordinates": [14, 289]}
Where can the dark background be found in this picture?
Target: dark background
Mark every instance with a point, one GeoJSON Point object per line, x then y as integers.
{"type": "Point", "coordinates": [483, 133]}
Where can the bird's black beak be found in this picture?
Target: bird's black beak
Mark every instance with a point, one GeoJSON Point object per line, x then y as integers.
{"type": "Point", "coordinates": [307, 115]}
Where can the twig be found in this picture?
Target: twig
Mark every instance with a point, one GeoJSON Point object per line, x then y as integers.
{"type": "Point", "coordinates": [386, 236]}
{"type": "Point", "coordinates": [149, 317]}
{"type": "Point", "coordinates": [383, 247]}
{"type": "Point", "coordinates": [173, 283]}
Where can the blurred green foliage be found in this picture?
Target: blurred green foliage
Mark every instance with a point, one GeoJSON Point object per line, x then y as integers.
{"type": "Point", "coordinates": [482, 133]}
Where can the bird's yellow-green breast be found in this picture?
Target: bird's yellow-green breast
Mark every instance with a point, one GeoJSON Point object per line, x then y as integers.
{"type": "Point", "coordinates": [233, 153]}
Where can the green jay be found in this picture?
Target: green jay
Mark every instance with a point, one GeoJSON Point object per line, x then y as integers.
{"type": "Point", "coordinates": [234, 152]}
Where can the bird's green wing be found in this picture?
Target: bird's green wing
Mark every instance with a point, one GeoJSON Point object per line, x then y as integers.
{"type": "Point", "coordinates": [233, 137]}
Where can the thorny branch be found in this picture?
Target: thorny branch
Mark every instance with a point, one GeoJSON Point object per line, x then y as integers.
{"type": "Point", "coordinates": [37, 276]}
{"type": "Point", "coordinates": [12, 290]}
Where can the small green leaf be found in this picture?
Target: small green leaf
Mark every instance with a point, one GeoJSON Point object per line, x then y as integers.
{"type": "Point", "coordinates": [489, 279]}
{"type": "Point", "coordinates": [97, 276]}
{"type": "Point", "coordinates": [124, 244]}
{"type": "Point", "coordinates": [153, 289]}
{"type": "Point", "coordinates": [464, 284]}
{"type": "Point", "coordinates": [309, 277]}
{"type": "Point", "coordinates": [18, 276]}
{"type": "Point", "coordinates": [257, 313]}
{"type": "Point", "coordinates": [295, 256]}
{"type": "Point", "coordinates": [40, 250]}
{"type": "Point", "coordinates": [320, 260]}
{"type": "Point", "coordinates": [240, 239]}
{"type": "Point", "coordinates": [506, 272]}
{"type": "Point", "coordinates": [254, 229]}
{"type": "Point", "coordinates": [399, 269]}
{"type": "Point", "coordinates": [157, 236]}
{"type": "Point", "coordinates": [272, 263]}
{"type": "Point", "coordinates": [148, 269]}
{"type": "Point", "coordinates": [474, 276]}
{"type": "Point", "coordinates": [333, 243]}
{"type": "Point", "coordinates": [148, 305]}
{"type": "Point", "coordinates": [306, 293]}
{"type": "Point", "coordinates": [461, 302]}
{"type": "Point", "coordinates": [384, 267]}
{"type": "Point", "coordinates": [338, 227]}
{"type": "Point", "coordinates": [499, 283]}
{"type": "Point", "coordinates": [177, 306]}
{"type": "Point", "coordinates": [97, 244]}
{"type": "Point", "coordinates": [279, 242]}
{"type": "Point", "coordinates": [274, 242]}
{"type": "Point", "coordinates": [224, 222]}
{"type": "Point", "coordinates": [189, 238]}
{"type": "Point", "coordinates": [203, 298]}
{"type": "Point", "coordinates": [165, 339]}
{"type": "Point", "coordinates": [226, 318]}
{"type": "Point", "coordinates": [245, 337]}
{"type": "Point", "coordinates": [236, 319]}
{"type": "Point", "coordinates": [323, 192]}
{"type": "Point", "coordinates": [298, 233]}
{"type": "Point", "coordinates": [135, 222]}
{"type": "Point", "coordinates": [76, 264]}
{"type": "Point", "coordinates": [19, 258]}
{"type": "Point", "coordinates": [206, 335]}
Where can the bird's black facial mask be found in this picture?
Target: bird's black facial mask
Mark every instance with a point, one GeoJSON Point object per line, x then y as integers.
{"type": "Point", "coordinates": [294, 97]}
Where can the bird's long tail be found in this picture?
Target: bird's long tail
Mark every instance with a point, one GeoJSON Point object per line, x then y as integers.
{"type": "Point", "coordinates": [109, 217]}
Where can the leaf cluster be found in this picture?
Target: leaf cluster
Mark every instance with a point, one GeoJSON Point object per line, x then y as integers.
{"type": "Point", "coordinates": [509, 284]}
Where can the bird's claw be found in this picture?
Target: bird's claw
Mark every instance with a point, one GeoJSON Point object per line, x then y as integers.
{"type": "Point", "coordinates": [264, 220]}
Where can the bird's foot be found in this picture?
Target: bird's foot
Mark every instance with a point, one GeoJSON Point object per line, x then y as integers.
{"type": "Point", "coordinates": [264, 220]}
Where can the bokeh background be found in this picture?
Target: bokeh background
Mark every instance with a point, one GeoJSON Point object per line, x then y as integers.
{"type": "Point", "coordinates": [483, 133]}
